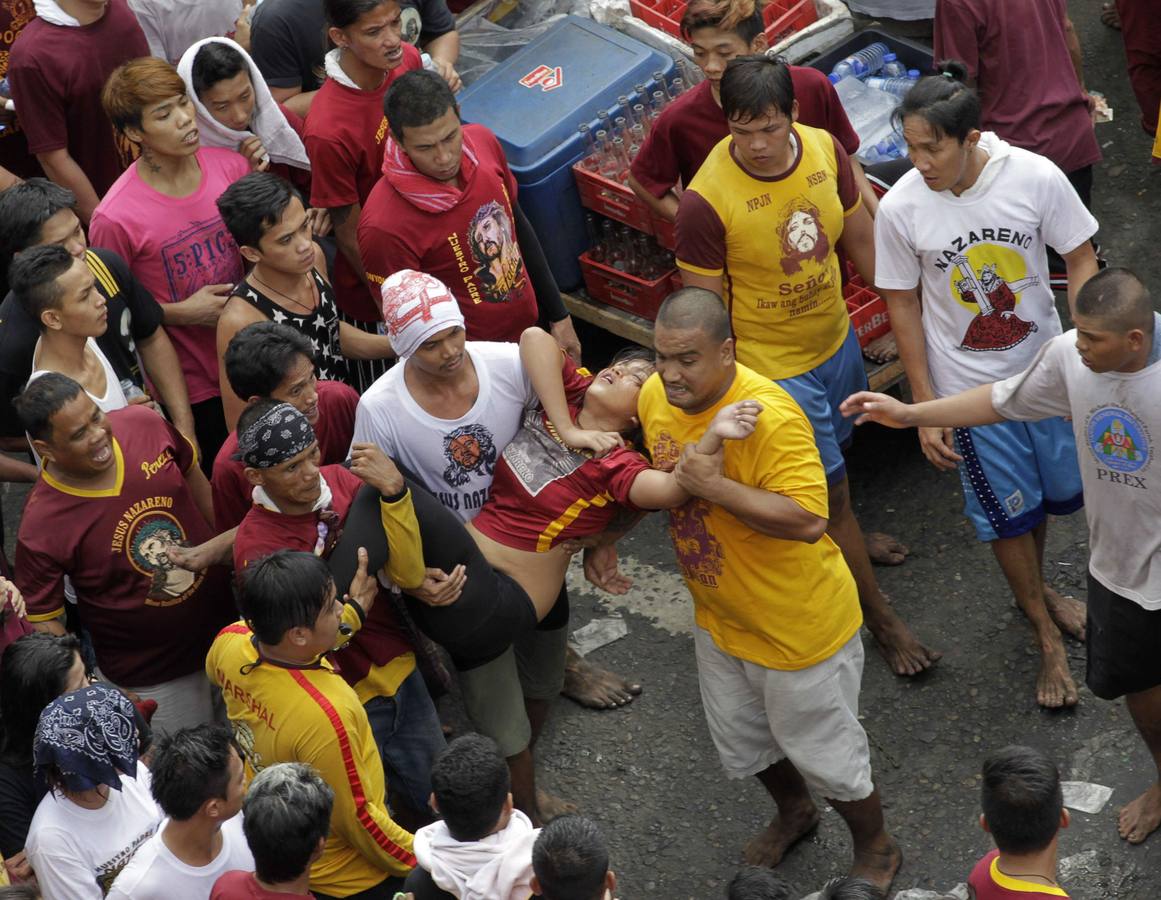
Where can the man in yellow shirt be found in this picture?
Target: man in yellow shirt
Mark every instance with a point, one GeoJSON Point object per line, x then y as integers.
{"type": "Point", "coordinates": [777, 612]}
{"type": "Point", "coordinates": [759, 226]}
{"type": "Point", "coordinates": [288, 704]}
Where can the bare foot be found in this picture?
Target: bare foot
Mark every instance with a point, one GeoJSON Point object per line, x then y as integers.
{"type": "Point", "coordinates": [1054, 685]}
{"type": "Point", "coordinates": [884, 550]}
{"type": "Point", "coordinates": [904, 654]}
{"type": "Point", "coordinates": [594, 687]}
{"type": "Point", "coordinates": [882, 349]}
{"type": "Point", "coordinates": [550, 806]}
{"type": "Point", "coordinates": [771, 844]}
{"type": "Point", "coordinates": [1069, 614]}
{"type": "Point", "coordinates": [1110, 16]}
{"type": "Point", "coordinates": [1140, 818]}
{"type": "Point", "coordinates": [878, 866]}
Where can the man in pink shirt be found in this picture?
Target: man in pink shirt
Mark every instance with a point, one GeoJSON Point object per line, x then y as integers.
{"type": "Point", "coordinates": [162, 218]}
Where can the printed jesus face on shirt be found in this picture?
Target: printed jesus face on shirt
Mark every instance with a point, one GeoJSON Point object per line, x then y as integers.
{"type": "Point", "coordinates": [436, 149]}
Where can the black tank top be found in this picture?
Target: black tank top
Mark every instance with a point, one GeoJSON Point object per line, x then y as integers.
{"type": "Point", "coordinates": [320, 325]}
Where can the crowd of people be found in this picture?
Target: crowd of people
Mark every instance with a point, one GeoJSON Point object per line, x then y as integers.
{"type": "Point", "coordinates": [285, 363]}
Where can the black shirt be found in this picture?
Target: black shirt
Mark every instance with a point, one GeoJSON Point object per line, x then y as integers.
{"type": "Point", "coordinates": [19, 796]}
{"type": "Point", "coordinates": [288, 38]}
{"type": "Point", "coordinates": [133, 316]}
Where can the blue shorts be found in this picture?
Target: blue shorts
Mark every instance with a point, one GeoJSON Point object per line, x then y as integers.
{"type": "Point", "coordinates": [1015, 473]}
{"type": "Point", "coordinates": [820, 391]}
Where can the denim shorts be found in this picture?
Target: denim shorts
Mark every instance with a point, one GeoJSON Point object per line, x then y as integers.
{"type": "Point", "coordinates": [409, 735]}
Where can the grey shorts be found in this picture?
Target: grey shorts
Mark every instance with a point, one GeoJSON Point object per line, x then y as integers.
{"type": "Point", "coordinates": [494, 693]}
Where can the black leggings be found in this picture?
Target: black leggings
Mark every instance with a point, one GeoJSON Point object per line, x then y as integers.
{"type": "Point", "coordinates": [492, 610]}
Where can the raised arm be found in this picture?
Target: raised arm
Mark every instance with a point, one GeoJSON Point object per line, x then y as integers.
{"type": "Point", "coordinates": [964, 410]}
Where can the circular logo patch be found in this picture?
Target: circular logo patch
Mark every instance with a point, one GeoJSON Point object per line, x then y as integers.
{"type": "Point", "coordinates": [1118, 440]}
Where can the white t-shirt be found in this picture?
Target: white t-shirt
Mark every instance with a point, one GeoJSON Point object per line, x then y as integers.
{"type": "Point", "coordinates": [155, 873]}
{"type": "Point", "coordinates": [114, 396]}
{"type": "Point", "coordinates": [455, 458]}
{"type": "Point", "coordinates": [76, 853]}
{"type": "Point", "coordinates": [1114, 418]}
{"type": "Point", "coordinates": [981, 260]}
{"type": "Point", "coordinates": [173, 26]}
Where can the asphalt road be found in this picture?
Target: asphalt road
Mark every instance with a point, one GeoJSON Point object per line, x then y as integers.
{"type": "Point", "coordinates": [649, 774]}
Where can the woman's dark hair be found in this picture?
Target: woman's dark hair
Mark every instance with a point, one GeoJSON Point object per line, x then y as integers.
{"type": "Point", "coordinates": [743, 17]}
{"type": "Point", "coordinates": [944, 101]}
{"type": "Point", "coordinates": [254, 204]}
{"type": "Point", "coordinates": [416, 99]}
{"type": "Point", "coordinates": [284, 590]}
{"type": "Point", "coordinates": [260, 356]}
{"type": "Point", "coordinates": [33, 673]}
{"type": "Point", "coordinates": [751, 85]}
{"type": "Point", "coordinates": [215, 62]}
{"type": "Point", "coordinates": [341, 13]}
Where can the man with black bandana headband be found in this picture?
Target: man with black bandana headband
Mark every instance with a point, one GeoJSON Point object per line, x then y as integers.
{"type": "Point", "coordinates": [300, 505]}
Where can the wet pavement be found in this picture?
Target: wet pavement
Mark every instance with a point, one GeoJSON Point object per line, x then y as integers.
{"type": "Point", "coordinates": [649, 774]}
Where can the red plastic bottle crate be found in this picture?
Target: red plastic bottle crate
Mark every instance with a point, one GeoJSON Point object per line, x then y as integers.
{"type": "Point", "coordinates": [782, 17]}
{"type": "Point", "coordinates": [665, 232]}
{"type": "Point", "coordinates": [868, 311]}
{"type": "Point", "coordinates": [612, 199]}
{"type": "Point", "coordinates": [622, 290]}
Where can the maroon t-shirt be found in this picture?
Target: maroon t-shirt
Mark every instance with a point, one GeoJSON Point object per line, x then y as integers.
{"type": "Point", "coordinates": [56, 74]}
{"type": "Point", "coordinates": [238, 885]}
{"type": "Point", "coordinates": [150, 621]}
{"type": "Point", "coordinates": [382, 637]}
{"type": "Point", "coordinates": [14, 154]}
{"type": "Point", "coordinates": [344, 138]}
{"type": "Point", "coordinates": [472, 247]}
{"type": "Point", "coordinates": [335, 426]}
{"type": "Point", "coordinates": [690, 127]}
{"type": "Point", "coordinates": [1029, 93]}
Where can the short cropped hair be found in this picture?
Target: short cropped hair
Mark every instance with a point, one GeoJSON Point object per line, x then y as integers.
{"type": "Point", "coordinates": [34, 279]}
{"type": "Point", "coordinates": [135, 85]}
{"type": "Point", "coordinates": [24, 208]}
{"type": "Point", "coordinates": [850, 888]}
{"type": "Point", "coordinates": [284, 590]}
{"type": "Point", "coordinates": [753, 85]}
{"type": "Point", "coordinates": [254, 204]}
{"type": "Point", "coordinates": [41, 400]}
{"type": "Point", "coordinates": [470, 781]}
{"type": "Point", "coordinates": [757, 883]}
{"type": "Point", "coordinates": [1021, 799]}
{"type": "Point", "coordinates": [286, 810]}
{"type": "Point", "coordinates": [1117, 296]}
{"type": "Point", "coordinates": [260, 356]}
{"type": "Point", "coordinates": [570, 859]}
{"type": "Point", "coordinates": [415, 99]}
{"type": "Point", "coordinates": [742, 17]}
{"type": "Point", "coordinates": [214, 62]}
{"type": "Point", "coordinates": [190, 767]}
{"type": "Point", "coordinates": [695, 308]}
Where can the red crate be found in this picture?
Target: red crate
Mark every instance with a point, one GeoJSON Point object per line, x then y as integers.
{"type": "Point", "coordinates": [868, 311]}
{"type": "Point", "coordinates": [782, 17]}
{"type": "Point", "coordinates": [665, 232]}
{"type": "Point", "coordinates": [622, 290]}
{"type": "Point", "coordinates": [612, 199]}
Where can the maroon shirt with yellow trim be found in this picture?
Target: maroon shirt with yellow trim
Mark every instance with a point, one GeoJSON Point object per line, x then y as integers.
{"type": "Point", "coordinates": [544, 493]}
{"type": "Point", "coordinates": [150, 621]}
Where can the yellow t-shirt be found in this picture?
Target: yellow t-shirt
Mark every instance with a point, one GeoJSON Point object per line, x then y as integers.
{"type": "Point", "coordinates": [778, 603]}
{"type": "Point", "coordinates": [310, 714]}
{"type": "Point", "coordinates": [773, 242]}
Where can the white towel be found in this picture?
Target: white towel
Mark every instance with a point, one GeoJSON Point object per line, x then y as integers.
{"type": "Point", "coordinates": [281, 143]}
{"type": "Point", "coordinates": [335, 71]}
{"type": "Point", "coordinates": [54, 15]}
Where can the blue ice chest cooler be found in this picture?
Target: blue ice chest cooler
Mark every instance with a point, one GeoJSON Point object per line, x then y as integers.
{"type": "Point", "coordinates": [535, 100]}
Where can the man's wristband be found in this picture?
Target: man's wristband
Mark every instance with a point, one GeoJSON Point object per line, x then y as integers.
{"type": "Point", "coordinates": [396, 497]}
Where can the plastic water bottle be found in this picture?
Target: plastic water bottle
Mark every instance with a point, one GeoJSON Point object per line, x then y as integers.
{"type": "Point", "coordinates": [891, 147]}
{"type": "Point", "coordinates": [892, 68]}
{"type": "Point", "coordinates": [897, 86]}
{"type": "Point", "coordinates": [913, 74]}
{"type": "Point", "coordinates": [871, 56]}
{"type": "Point", "coordinates": [851, 67]}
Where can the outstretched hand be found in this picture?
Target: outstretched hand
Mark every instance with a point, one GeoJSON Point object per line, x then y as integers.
{"type": "Point", "coordinates": [736, 421]}
{"type": "Point", "coordinates": [881, 408]}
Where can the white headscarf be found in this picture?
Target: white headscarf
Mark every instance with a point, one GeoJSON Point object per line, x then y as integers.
{"type": "Point", "coordinates": [281, 143]}
{"type": "Point", "coordinates": [416, 306]}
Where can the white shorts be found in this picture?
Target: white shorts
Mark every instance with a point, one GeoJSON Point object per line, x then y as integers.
{"type": "Point", "coordinates": [185, 702]}
{"type": "Point", "coordinates": [759, 716]}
